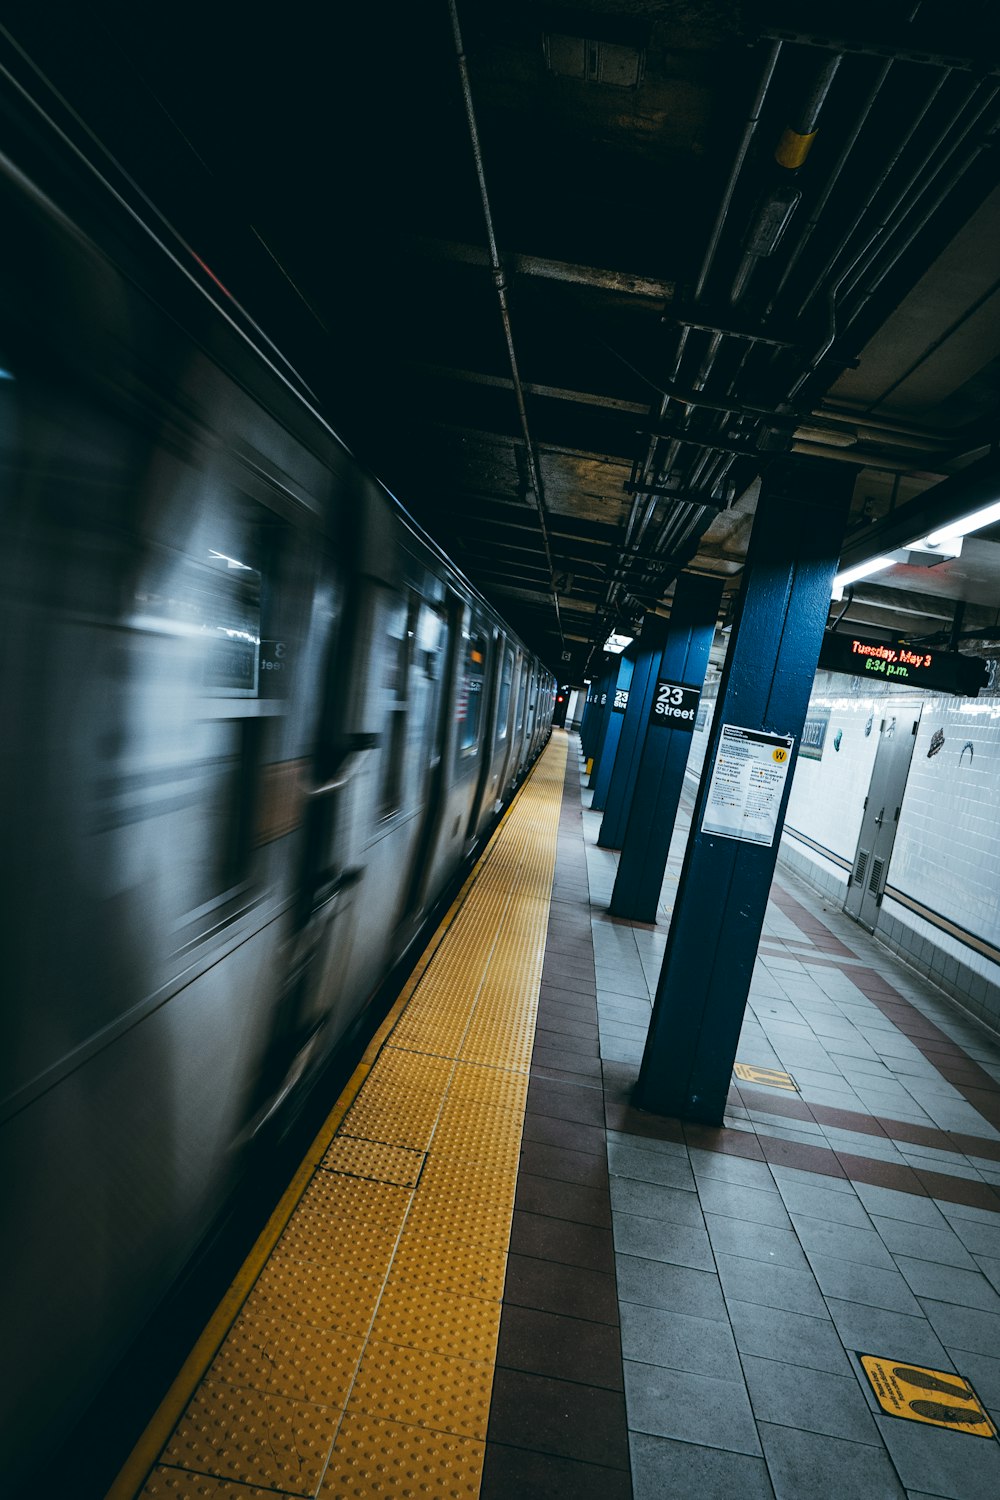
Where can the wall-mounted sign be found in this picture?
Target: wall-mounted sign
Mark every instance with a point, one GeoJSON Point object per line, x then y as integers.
{"type": "Point", "coordinates": [814, 733]}
{"type": "Point", "coordinates": [674, 705]}
{"type": "Point", "coordinates": [880, 661]}
{"type": "Point", "coordinates": [621, 701]}
{"type": "Point", "coordinates": [748, 780]}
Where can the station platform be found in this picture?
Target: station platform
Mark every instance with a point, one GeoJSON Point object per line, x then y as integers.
{"type": "Point", "coordinates": [493, 1277]}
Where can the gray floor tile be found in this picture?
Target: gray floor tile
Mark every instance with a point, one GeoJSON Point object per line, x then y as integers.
{"type": "Point", "coordinates": [694, 1408]}
{"type": "Point", "coordinates": [963, 1211]}
{"type": "Point", "coordinates": [731, 1168]}
{"type": "Point", "coordinates": [873, 1330]}
{"type": "Point", "coordinates": [617, 1049]}
{"type": "Point", "coordinates": [819, 1203]}
{"type": "Point", "coordinates": [635, 1012]}
{"type": "Point", "coordinates": [990, 1267]}
{"type": "Point", "coordinates": [853, 1282]}
{"type": "Point", "coordinates": [777, 1247]}
{"type": "Point", "coordinates": [769, 1285]}
{"type": "Point", "coordinates": [963, 1327]}
{"type": "Point", "coordinates": [842, 1242]}
{"type": "Point", "coordinates": [983, 1373]}
{"type": "Point", "coordinates": [795, 1338]}
{"type": "Point", "coordinates": [812, 1400]}
{"type": "Point", "coordinates": [656, 1283]}
{"type": "Point", "coordinates": [924, 1242]}
{"type": "Point", "coordinates": [954, 1464]}
{"type": "Point", "coordinates": [649, 1166]}
{"type": "Point", "coordinates": [649, 1143]}
{"type": "Point", "coordinates": [611, 982]}
{"type": "Point", "coordinates": [629, 1031]}
{"type": "Point", "coordinates": [751, 1205]}
{"type": "Point", "coordinates": [806, 1466]}
{"type": "Point", "coordinates": [948, 1284]}
{"type": "Point", "coordinates": [811, 1179]}
{"type": "Point", "coordinates": [979, 1236]}
{"type": "Point", "coordinates": [653, 1201]}
{"type": "Point", "coordinates": [663, 1469]}
{"type": "Point", "coordinates": [656, 1239]}
{"type": "Point", "coordinates": [911, 1207]}
{"type": "Point", "coordinates": [702, 1346]}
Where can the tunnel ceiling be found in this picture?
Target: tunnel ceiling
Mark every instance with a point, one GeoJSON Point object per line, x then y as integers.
{"type": "Point", "coordinates": [569, 277]}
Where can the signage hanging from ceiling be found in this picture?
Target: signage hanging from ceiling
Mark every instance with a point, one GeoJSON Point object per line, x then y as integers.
{"type": "Point", "coordinates": [882, 661]}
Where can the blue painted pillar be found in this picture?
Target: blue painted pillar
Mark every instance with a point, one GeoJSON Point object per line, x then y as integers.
{"type": "Point", "coordinates": [602, 715]}
{"type": "Point", "coordinates": [640, 703]}
{"type": "Point", "coordinates": [585, 717]}
{"type": "Point", "coordinates": [599, 690]}
{"type": "Point", "coordinates": [722, 896]}
{"type": "Point", "coordinates": [666, 748]}
{"type": "Point", "coordinates": [605, 762]}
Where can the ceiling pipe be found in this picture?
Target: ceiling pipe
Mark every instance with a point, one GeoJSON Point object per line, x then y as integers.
{"type": "Point", "coordinates": [777, 207]}
{"type": "Point", "coordinates": [746, 140]}
{"type": "Point", "coordinates": [921, 183]}
{"type": "Point", "coordinates": [923, 218]}
{"type": "Point", "coordinates": [849, 143]}
{"type": "Point", "coordinates": [844, 239]}
{"type": "Point", "coordinates": [500, 283]}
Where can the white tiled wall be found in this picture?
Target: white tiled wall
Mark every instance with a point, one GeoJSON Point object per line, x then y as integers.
{"type": "Point", "coordinates": [947, 850]}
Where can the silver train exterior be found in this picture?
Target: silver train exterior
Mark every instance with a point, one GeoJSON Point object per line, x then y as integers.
{"type": "Point", "coordinates": [254, 725]}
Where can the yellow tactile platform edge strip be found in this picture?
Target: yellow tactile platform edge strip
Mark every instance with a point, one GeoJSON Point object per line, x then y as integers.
{"type": "Point", "coordinates": [353, 1354]}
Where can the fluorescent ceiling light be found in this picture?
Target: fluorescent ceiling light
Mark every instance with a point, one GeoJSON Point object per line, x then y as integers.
{"type": "Point", "coordinates": [861, 570]}
{"type": "Point", "coordinates": [617, 643]}
{"type": "Point", "coordinates": [987, 516]}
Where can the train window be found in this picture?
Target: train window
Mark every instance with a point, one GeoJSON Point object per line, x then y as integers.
{"type": "Point", "coordinates": [470, 704]}
{"type": "Point", "coordinates": [503, 706]}
{"type": "Point", "coordinates": [399, 639]}
{"type": "Point", "coordinates": [522, 691]}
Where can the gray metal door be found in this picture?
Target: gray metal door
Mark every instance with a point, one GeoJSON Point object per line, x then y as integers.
{"type": "Point", "coordinates": [897, 737]}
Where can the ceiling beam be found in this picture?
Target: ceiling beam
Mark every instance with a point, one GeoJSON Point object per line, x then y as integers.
{"type": "Point", "coordinates": [627, 283]}
{"type": "Point", "coordinates": [549, 392]}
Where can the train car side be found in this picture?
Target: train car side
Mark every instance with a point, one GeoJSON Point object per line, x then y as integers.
{"type": "Point", "coordinates": [256, 725]}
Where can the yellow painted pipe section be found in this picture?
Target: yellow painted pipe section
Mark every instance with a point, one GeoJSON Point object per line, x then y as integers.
{"type": "Point", "coordinates": [792, 149]}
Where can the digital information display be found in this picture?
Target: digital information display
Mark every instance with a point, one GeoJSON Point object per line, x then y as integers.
{"type": "Point", "coordinates": [748, 780]}
{"type": "Point", "coordinates": [943, 671]}
{"type": "Point", "coordinates": [674, 705]}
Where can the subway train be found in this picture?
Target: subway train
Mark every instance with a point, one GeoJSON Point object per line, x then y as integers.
{"type": "Point", "coordinates": [255, 727]}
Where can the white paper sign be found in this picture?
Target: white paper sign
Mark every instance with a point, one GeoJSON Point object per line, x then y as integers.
{"type": "Point", "coordinates": [748, 780]}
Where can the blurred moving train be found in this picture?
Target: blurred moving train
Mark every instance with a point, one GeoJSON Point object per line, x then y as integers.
{"type": "Point", "coordinates": [255, 724]}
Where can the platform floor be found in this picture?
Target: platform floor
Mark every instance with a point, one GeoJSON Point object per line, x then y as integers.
{"type": "Point", "coordinates": [509, 1283]}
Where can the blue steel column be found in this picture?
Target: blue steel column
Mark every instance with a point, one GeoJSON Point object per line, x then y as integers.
{"type": "Point", "coordinates": [722, 896]}
{"type": "Point", "coordinates": [600, 687]}
{"type": "Point", "coordinates": [602, 717]}
{"type": "Point", "coordinates": [640, 703]}
{"type": "Point", "coordinates": [585, 717]}
{"type": "Point", "coordinates": [664, 754]}
{"type": "Point", "coordinates": [605, 762]}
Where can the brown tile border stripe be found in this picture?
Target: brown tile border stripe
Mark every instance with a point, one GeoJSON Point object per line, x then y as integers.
{"type": "Point", "coordinates": [908, 1131]}
{"type": "Point", "coordinates": [951, 1060]}
{"type": "Point", "coordinates": [817, 931]}
{"type": "Point", "coordinates": [557, 1419]}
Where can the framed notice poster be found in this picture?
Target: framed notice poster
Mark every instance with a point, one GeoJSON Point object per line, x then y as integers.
{"type": "Point", "coordinates": [748, 780]}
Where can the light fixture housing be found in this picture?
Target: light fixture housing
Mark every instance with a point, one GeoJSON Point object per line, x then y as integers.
{"type": "Point", "coordinates": [616, 644]}
{"type": "Point", "coordinates": [862, 570]}
{"type": "Point", "coordinates": [954, 531]}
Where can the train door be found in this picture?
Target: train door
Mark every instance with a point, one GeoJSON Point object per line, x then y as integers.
{"type": "Point", "coordinates": [897, 737]}
{"type": "Point", "coordinates": [432, 721]}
